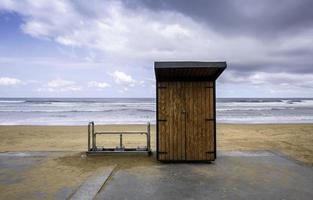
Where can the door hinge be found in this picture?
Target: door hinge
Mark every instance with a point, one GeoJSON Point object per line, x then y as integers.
{"type": "Point", "coordinates": [162, 120]}
{"type": "Point", "coordinates": [210, 152]}
{"type": "Point", "coordinates": [209, 119]}
{"type": "Point", "coordinates": [162, 152]}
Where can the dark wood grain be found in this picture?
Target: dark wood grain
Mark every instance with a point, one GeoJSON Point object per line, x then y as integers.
{"type": "Point", "coordinates": [188, 132]}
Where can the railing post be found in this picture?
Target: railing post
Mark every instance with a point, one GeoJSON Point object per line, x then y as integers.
{"type": "Point", "coordinates": [93, 136]}
{"type": "Point", "coordinates": [148, 137]}
{"type": "Point", "coordinates": [88, 137]}
{"type": "Point", "coordinates": [121, 141]}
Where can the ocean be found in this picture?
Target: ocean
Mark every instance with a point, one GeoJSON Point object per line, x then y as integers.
{"type": "Point", "coordinates": [79, 111]}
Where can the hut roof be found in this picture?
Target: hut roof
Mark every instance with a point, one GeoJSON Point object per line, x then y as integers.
{"type": "Point", "coordinates": [188, 70]}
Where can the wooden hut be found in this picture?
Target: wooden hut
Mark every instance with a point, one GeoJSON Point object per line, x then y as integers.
{"type": "Point", "coordinates": [186, 119]}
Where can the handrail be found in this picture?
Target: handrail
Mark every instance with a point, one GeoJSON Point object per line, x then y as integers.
{"type": "Point", "coordinates": [92, 138]}
{"type": "Point", "coordinates": [119, 132]}
{"type": "Point", "coordinates": [148, 137]}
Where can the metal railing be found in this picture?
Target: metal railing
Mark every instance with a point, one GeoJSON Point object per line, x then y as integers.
{"type": "Point", "coordinates": [92, 141]}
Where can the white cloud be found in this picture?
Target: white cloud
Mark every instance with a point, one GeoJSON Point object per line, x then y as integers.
{"type": "Point", "coordinates": [59, 85]}
{"type": "Point", "coordinates": [112, 31]}
{"type": "Point", "coordinates": [53, 62]}
{"type": "Point", "coordinates": [7, 81]}
{"type": "Point", "coordinates": [121, 78]}
{"type": "Point", "coordinates": [115, 29]}
{"type": "Point", "coordinates": [265, 78]}
{"type": "Point", "coordinates": [99, 85]}
{"type": "Point", "coordinates": [111, 27]}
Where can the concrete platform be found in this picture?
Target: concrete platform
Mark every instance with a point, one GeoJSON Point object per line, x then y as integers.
{"type": "Point", "coordinates": [13, 165]}
{"type": "Point", "coordinates": [89, 189]}
{"type": "Point", "coordinates": [234, 175]}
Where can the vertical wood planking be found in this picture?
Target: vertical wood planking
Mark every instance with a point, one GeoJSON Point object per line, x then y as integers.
{"type": "Point", "coordinates": [212, 140]}
{"type": "Point", "coordinates": [205, 132]}
{"type": "Point", "coordinates": [209, 131]}
{"type": "Point", "coordinates": [167, 122]}
{"type": "Point", "coordinates": [170, 121]}
{"type": "Point", "coordinates": [209, 147]}
{"type": "Point", "coordinates": [201, 122]}
{"type": "Point", "coordinates": [186, 136]}
{"type": "Point", "coordinates": [195, 124]}
{"type": "Point", "coordinates": [183, 122]}
{"type": "Point", "coordinates": [193, 120]}
{"type": "Point", "coordinates": [206, 116]}
{"type": "Point", "coordinates": [211, 123]}
{"type": "Point", "coordinates": [196, 107]}
{"type": "Point", "coordinates": [187, 103]}
{"type": "Point", "coordinates": [172, 132]}
{"type": "Point", "coordinates": [188, 120]}
{"type": "Point", "coordinates": [162, 115]}
{"type": "Point", "coordinates": [174, 118]}
{"type": "Point", "coordinates": [206, 110]}
{"type": "Point", "coordinates": [203, 152]}
{"type": "Point", "coordinates": [208, 124]}
{"type": "Point", "coordinates": [179, 122]}
{"type": "Point", "coordinates": [175, 106]}
{"type": "Point", "coordinates": [169, 154]}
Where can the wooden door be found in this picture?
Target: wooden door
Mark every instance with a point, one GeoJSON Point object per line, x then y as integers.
{"type": "Point", "coordinates": [171, 121]}
{"type": "Point", "coordinates": [185, 121]}
{"type": "Point", "coordinates": [199, 121]}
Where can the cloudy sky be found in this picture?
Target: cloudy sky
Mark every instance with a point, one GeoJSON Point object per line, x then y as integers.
{"type": "Point", "coordinates": [107, 48]}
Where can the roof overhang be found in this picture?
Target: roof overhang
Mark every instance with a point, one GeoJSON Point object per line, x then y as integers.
{"type": "Point", "coordinates": [188, 70]}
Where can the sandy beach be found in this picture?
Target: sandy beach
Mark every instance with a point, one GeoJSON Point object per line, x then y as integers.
{"type": "Point", "coordinates": [294, 140]}
{"type": "Point", "coordinates": [66, 167]}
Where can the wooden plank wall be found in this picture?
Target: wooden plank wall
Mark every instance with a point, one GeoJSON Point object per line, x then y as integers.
{"type": "Point", "coordinates": [185, 121]}
{"type": "Point", "coordinates": [162, 124]}
{"type": "Point", "coordinates": [209, 116]}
